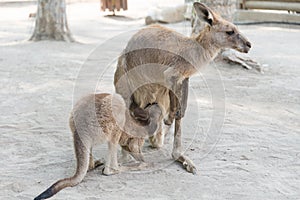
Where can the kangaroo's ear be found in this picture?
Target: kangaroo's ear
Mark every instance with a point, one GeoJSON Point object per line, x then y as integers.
{"type": "Point", "coordinates": [204, 13]}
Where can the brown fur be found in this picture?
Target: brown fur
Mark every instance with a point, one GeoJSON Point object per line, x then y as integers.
{"type": "Point", "coordinates": [157, 62]}
{"type": "Point", "coordinates": [96, 119]}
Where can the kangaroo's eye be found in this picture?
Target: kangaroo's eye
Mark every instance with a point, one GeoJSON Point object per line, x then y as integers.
{"type": "Point", "coordinates": [229, 32]}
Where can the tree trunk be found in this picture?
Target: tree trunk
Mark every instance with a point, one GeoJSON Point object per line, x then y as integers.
{"type": "Point", "coordinates": [225, 8]}
{"type": "Point", "coordinates": [51, 21]}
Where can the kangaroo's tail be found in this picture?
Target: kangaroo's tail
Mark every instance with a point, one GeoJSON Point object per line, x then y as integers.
{"type": "Point", "coordinates": [82, 156]}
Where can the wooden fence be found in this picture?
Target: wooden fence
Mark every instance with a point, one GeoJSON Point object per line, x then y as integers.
{"type": "Point", "coordinates": [289, 5]}
{"type": "Point", "coordinates": [251, 11]}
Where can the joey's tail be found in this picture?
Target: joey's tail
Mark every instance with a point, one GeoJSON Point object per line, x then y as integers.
{"type": "Point", "coordinates": [59, 185]}
{"type": "Point", "coordinates": [82, 155]}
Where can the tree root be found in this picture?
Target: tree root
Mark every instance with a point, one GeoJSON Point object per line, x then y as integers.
{"type": "Point", "coordinates": [244, 60]}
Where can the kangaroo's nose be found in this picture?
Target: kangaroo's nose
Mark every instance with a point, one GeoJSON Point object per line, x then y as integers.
{"type": "Point", "coordinates": [248, 44]}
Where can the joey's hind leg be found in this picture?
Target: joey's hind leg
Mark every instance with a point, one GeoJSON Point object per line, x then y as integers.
{"type": "Point", "coordinates": [136, 166]}
{"type": "Point", "coordinates": [138, 156]}
{"type": "Point", "coordinates": [111, 166]}
{"type": "Point", "coordinates": [92, 163]}
{"type": "Point", "coordinates": [125, 158]}
{"type": "Point", "coordinates": [134, 148]}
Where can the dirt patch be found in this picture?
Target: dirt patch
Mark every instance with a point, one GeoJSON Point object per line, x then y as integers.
{"type": "Point", "coordinates": [257, 154]}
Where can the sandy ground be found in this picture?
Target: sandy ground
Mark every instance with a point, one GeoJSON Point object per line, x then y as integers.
{"type": "Point", "coordinates": [258, 148]}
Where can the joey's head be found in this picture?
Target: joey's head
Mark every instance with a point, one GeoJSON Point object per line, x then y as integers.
{"type": "Point", "coordinates": [219, 32]}
{"type": "Point", "coordinates": [146, 120]}
{"type": "Point", "coordinates": [155, 113]}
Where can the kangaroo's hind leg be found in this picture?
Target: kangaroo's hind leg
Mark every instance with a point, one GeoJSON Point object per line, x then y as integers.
{"type": "Point", "coordinates": [134, 148]}
{"type": "Point", "coordinates": [111, 166]}
{"type": "Point", "coordinates": [179, 103]}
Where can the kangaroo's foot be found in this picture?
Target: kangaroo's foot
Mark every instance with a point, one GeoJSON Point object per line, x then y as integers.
{"type": "Point", "coordinates": [95, 164]}
{"type": "Point", "coordinates": [136, 166]}
{"type": "Point", "coordinates": [110, 171]}
{"type": "Point", "coordinates": [186, 162]}
{"type": "Point", "coordinates": [98, 163]}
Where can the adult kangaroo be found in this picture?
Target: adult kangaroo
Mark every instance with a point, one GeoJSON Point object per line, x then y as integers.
{"type": "Point", "coordinates": [157, 62]}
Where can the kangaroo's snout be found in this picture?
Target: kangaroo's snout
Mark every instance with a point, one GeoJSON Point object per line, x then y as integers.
{"type": "Point", "coordinates": [247, 47]}
{"type": "Point", "coordinates": [242, 44]}
{"type": "Point", "coordinates": [248, 44]}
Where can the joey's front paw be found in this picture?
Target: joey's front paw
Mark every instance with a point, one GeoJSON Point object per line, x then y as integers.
{"type": "Point", "coordinates": [156, 141]}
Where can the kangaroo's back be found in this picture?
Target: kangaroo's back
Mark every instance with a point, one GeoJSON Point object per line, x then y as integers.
{"type": "Point", "coordinates": [159, 45]}
{"type": "Point", "coordinates": [149, 53]}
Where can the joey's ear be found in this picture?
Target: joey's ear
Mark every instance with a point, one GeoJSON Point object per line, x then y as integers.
{"type": "Point", "coordinates": [204, 13]}
{"type": "Point", "coordinates": [141, 114]}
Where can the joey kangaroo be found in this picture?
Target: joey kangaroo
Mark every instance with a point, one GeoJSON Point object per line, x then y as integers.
{"type": "Point", "coordinates": [104, 117]}
{"type": "Point", "coordinates": [157, 62]}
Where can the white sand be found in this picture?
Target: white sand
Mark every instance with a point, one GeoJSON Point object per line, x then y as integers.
{"type": "Point", "coordinates": [258, 150]}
